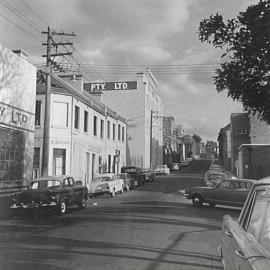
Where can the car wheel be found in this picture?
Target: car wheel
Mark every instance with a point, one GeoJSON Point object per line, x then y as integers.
{"type": "Point", "coordinates": [197, 200]}
{"type": "Point", "coordinates": [113, 193]}
{"type": "Point", "coordinates": [62, 207]}
{"type": "Point", "coordinates": [82, 204]}
{"type": "Point", "coordinates": [212, 204]}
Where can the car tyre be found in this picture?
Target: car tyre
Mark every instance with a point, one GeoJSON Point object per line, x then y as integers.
{"type": "Point", "coordinates": [62, 207]}
{"type": "Point", "coordinates": [113, 193]}
{"type": "Point", "coordinates": [212, 205]}
{"type": "Point", "coordinates": [197, 200]}
{"type": "Point", "coordinates": [82, 204]}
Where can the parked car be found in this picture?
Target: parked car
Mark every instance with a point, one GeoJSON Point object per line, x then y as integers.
{"type": "Point", "coordinates": [128, 181]}
{"type": "Point", "coordinates": [213, 177]}
{"type": "Point", "coordinates": [245, 243]}
{"type": "Point", "coordinates": [149, 175]}
{"type": "Point", "coordinates": [162, 170]}
{"type": "Point", "coordinates": [107, 183]}
{"type": "Point", "coordinates": [136, 173]}
{"type": "Point", "coordinates": [227, 192]}
{"type": "Point", "coordinates": [51, 192]}
{"type": "Point", "coordinates": [175, 166]}
{"type": "Point", "coordinates": [184, 163]}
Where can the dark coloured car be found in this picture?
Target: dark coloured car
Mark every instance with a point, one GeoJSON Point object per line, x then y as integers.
{"type": "Point", "coordinates": [128, 181]}
{"type": "Point", "coordinates": [51, 192]}
{"type": "Point", "coordinates": [245, 243]}
{"type": "Point", "coordinates": [136, 173]}
{"type": "Point", "coordinates": [149, 175]}
{"type": "Point", "coordinates": [231, 192]}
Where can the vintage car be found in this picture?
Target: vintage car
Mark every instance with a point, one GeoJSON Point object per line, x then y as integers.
{"type": "Point", "coordinates": [231, 192]}
{"type": "Point", "coordinates": [128, 181]}
{"type": "Point", "coordinates": [107, 183]}
{"type": "Point", "coordinates": [245, 243]}
{"type": "Point", "coordinates": [55, 192]}
{"type": "Point", "coordinates": [149, 175]}
{"type": "Point", "coordinates": [136, 173]}
{"type": "Point", "coordinates": [162, 170]}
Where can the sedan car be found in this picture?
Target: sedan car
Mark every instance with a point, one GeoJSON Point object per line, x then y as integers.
{"type": "Point", "coordinates": [128, 181]}
{"type": "Point", "coordinates": [227, 192]}
{"type": "Point", "coordinates": [162, 170]}
{"type": "Point", "coordinates": [107, 183]}
{"type": "Point", "coordinates": [55, 192]}
{"type": "Point", "coordinates": [245, 243]}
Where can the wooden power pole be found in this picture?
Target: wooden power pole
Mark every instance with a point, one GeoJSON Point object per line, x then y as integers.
{"type": "Point", "coordinates": [47, 119]}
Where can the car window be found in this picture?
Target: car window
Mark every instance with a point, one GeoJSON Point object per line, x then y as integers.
{"type": "Point", "coordinates": [105, 178]}
{"type": "Point", "coordinates": [71, 181]}
{"type": "Point", "coordinates": [259, 223]}
{"type": "Point", "coordinates": [53, 183]}
{"type": "Point", "coordinates": [225, 184]}
{"type": "Point", "coordinates": [66, 182]}
{"type": "Point", "coordinates": [34, 185]}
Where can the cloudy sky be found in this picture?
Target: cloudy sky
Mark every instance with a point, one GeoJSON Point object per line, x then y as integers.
{"type": "Point", "coordinates": [116, 38]}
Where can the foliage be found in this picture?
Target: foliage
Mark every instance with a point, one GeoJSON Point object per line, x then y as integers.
{"type": "Point", "coordinates": [197, 138]}
{"type": "Point", "coordinates": [245, 71]}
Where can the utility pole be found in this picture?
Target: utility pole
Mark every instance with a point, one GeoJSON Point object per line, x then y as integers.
{"type": "Point", "coordinates": [47, 120]}
{"type": "Point", "coordinates": [151, 135]}
{"type": "Point", "coordinates": [46, 127]}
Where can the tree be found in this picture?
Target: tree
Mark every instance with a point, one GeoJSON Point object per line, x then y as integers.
{"type": "Point", "coordinates": [196, 138]}
{"type": "Point", "coordinates": [245, 41]}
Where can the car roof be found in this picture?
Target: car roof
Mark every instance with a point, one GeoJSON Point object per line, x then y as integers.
{"type": "Point", "coordinates": [265, 180]}
{"type": "Point", "coordinates": [105, 174]}
{"type": "Point", "coordinates": [55, 177]}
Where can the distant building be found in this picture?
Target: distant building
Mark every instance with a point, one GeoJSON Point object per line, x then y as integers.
{"type": "Point", "coordinates": [17, 118]}
{"type": "Point", "coordinates": [224, 143]}
{"type": "Point", "coordinates": [143, 110]}
{"type": "Point", "coordinates": [240, 134]}
{"type": "Point", "coordinates": [169, 140]}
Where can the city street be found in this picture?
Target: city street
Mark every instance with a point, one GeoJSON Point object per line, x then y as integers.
{"type": "Point", "coordinates": [152, 227]}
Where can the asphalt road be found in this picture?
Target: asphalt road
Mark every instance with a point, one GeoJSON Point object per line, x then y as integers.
{"type": "Point", "coordinates": [152, 228]}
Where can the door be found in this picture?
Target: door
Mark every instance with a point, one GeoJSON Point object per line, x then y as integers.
{"type": "Point", "coordinates": [93, 165]}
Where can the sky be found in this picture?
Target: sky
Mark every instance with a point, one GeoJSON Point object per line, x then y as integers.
{"type": "Point", "coordinates": [117, 38]}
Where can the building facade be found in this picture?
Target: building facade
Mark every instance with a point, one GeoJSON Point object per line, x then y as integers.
{"type": "Point", "coordinates": [86, 137]}
{"type": "Point", "coordinates": [143, 110]}
{"type": "Point", "coordinates": [17, 116]}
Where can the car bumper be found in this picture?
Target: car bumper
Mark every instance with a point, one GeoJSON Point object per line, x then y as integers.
{"type": "Point", "coordinates": [33, 205]}
{"type": "Point", "coordinates": [187, 195]}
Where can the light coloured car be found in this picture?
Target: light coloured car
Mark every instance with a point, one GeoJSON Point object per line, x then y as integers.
{"type": "Point", "coordinates": [245, 243]}
{"type": "Point", "coordinates": [108, 183]}
{"type": "Point", "coordinates": [162, 170]}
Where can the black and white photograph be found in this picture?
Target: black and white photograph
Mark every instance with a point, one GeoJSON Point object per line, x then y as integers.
{"type": "Point", "coordinates": [134, 134]}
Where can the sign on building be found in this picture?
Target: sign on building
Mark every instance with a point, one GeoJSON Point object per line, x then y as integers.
{"type": "Point", "coordinates": [108, 86]}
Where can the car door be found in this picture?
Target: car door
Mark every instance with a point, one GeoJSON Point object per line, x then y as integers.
{"type": "Point", "coordinates": [221, 192]}
{"type": "Point", "coordinates": [68, 191]}
{"type": "Point", "coordinates": [239, 192]}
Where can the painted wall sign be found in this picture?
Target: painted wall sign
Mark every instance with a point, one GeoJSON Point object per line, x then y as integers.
{"type": "Point", "coordinates": [107, 86]}
{"type": "Point", "coordinates": [94, 149]}
{"type": "Point", "coordinates": [11, 116]}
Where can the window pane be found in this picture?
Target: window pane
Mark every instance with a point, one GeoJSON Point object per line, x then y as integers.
{"type": "Point", "coordinates": [60, 114]}
{"type": "Point", "coordinates": [77, 117]}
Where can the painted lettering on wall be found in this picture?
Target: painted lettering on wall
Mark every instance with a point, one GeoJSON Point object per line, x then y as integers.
{"type": "Point", "coordinates": [16, 117]}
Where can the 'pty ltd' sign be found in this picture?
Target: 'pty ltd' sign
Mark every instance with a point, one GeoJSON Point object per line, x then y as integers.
{"type": "Point", "coordinates": [108, 86]}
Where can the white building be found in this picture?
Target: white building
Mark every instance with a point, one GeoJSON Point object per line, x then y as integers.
{"type": "Point", "coordinates": [143, 110]}
{"type": "Point", "coordinates": [17, 116]}
{"type": "Point", "coordinates": [86, 138]}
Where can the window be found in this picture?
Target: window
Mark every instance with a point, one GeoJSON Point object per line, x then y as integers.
{"type": "Point", "coordinates": [85, 126]}
{"type": "Point", "coordinates": [108, 129]}
{"type": "Point", "coordinates": [77, 117]}
{"type": "Point", "coordinates": [123, 134]}
{"type": "Point", "coordinates": [113, 130]}
{"type": "Point", "coordinates": [100, 164]}
{"type": "Point", "coordinates": [11, 154]}
{"type": "Point", "coordinates": [119, 132]}
{"type": "Point", "coordinates": [36, 157]}
{"type": "Point", "coordinates": [95, 126]}
{"type": "Point", "coordinates": [60, 114]}
{"type": "Point", "coordinates": [38, 113]}
{"type": "Point", "coordinates": [225, 184]}
{"type": "Point", "coordinates": [101, 128]}
{"type": "Point", "coordinates": [259, 224]}
{"type": "Point", "coordinates": [59, 161]}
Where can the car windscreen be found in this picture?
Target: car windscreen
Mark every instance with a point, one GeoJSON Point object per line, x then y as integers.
{"type": "Point", "coordinates": [45, 184]}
